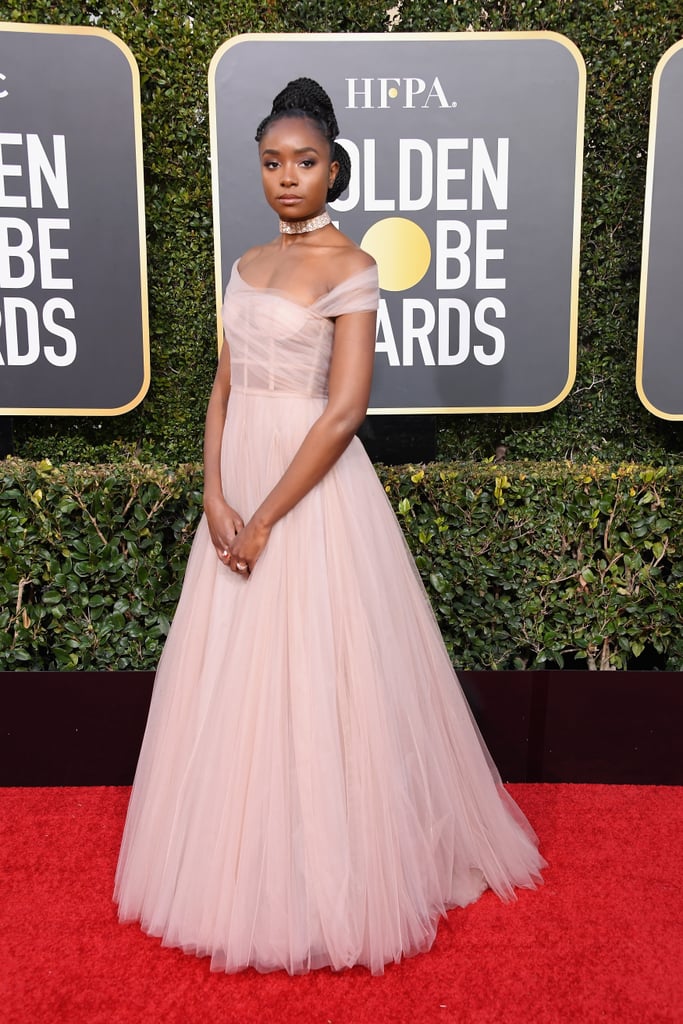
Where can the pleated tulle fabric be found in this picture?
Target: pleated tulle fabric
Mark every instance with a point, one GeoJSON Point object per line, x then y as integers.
{"type": "Point", "coordinates": [312, 789]}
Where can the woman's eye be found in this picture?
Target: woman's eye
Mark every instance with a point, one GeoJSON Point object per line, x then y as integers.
{"type": "Point", "coordinates": [270, 164]}
{"type": "Point", "coordinates": [308, 163]}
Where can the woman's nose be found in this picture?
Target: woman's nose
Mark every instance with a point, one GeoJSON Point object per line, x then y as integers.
{"type": "Point", "coordinates": [288, 174]}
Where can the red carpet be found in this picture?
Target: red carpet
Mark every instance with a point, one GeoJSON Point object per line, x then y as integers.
{"type": "Point", "coordinates": [601, 942]}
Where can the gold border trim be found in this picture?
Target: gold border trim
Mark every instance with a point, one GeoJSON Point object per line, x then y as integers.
{"type": "Point", "coordinates": [86, 30]}
{"type": "Point", "coordinates": [215, 192]}
{"type": "Point", "coordinates": [647, 225]}
{"type": "Point", "coordinates": [390, 37]}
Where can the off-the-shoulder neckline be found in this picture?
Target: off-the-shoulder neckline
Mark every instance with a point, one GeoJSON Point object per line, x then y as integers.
{"type": "Point", "coordinates": [278, 291]}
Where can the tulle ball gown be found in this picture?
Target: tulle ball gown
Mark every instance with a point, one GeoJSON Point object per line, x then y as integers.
{"type": "Point", "coordinates": [311, 788]}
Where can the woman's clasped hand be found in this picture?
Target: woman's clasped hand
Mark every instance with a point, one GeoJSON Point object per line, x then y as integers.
{"type": "Point", "coordinates": [238, 546]}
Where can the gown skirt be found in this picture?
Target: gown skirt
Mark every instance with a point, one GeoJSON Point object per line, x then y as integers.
{"type": "Point", "coordinates": [312, 790]}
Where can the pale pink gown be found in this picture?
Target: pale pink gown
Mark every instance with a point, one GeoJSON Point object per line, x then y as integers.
{"type": "Point", "coordinates": [311, 789]}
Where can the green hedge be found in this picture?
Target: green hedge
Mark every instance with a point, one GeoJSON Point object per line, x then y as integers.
{"type": "Point", "coordinates": [91, 562]}
{"type": "Point", "coordinates": [173, 43]}
{"type": "Point", "coordinates": [527, 565]}
{"type": "Point", "coordinates": [549, 565]}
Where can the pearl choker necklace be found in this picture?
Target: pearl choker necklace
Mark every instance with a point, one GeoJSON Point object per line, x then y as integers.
{"type": "Point", "coordinates": [301, 227]}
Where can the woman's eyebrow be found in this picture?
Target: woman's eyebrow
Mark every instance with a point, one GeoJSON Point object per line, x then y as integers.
{"type": "Point", "coordinates": [276, 152]}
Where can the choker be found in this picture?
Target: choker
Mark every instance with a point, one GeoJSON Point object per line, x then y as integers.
{"type": "Point", "coordinates": [301, 227]}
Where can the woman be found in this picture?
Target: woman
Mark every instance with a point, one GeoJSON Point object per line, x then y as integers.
{"type": "Point", "coordinates": [311, 789]}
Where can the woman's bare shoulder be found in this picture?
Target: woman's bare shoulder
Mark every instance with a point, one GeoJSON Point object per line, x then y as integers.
{"type": "Point", "coordinates": [349, 259]}
{"type": "Point", "coordinates": [252, 254]}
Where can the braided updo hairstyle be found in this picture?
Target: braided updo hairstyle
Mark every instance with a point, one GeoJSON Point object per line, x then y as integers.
{"type": "Point", "coordinates": [305, 98]}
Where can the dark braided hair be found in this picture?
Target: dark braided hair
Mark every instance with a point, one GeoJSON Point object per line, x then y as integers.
{"type": "Point", "coordinates": [305, 98]}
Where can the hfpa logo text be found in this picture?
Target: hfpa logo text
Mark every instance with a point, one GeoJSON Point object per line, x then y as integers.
{"type": "Point", "coordinates": [379, 93]}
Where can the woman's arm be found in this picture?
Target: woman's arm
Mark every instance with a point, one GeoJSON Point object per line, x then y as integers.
{"type": "Point", "coordinates": [349, 392]}
{"type": "Point", "coordinates": [223, 521]}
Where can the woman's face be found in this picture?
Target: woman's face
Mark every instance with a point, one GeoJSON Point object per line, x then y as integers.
{"type": "Point", "coordinates": [295, 168]}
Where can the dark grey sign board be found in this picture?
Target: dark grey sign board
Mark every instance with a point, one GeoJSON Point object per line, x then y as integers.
{"type": "Point", "coordinates": [467, 152]}
{"type": "Point", "coordinates": [659, 368]}
{"type": "Point", "coordinates": [73, 279]}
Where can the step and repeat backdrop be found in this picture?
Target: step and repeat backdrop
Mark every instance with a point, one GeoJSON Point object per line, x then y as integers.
{"type": "Point", "coordinates": [73, 294]}
{"type": "Point", "coordinates": [466, 188]}
{"type": "Point", "coordinates": [466, 156]}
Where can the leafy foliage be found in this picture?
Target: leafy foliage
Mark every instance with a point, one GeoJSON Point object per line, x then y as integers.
{"type": "Point", "coordinates": [173, 43]}
{"type": "Point", "coordinates": [537, 565]}
{"type": "Point", "coordinates": [91, 562]}
{"type": "Point", "coordinates": [527, 565]}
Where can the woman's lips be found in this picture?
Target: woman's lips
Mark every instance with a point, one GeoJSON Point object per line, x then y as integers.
{"type": "Point", "coordinates": [289, 200]}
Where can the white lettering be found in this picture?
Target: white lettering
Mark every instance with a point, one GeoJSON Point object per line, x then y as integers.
{"type": "Point", "coordinates": [484, 254]}
{"type": "Point", "coordinates": [496, 178]}
{"type": "Point", "coordinates": [445, 174]}
{"type": "Point", "coordinates": [445, 253]}
{"type": "Point", "coordinates": [408, 147]}
{"type": "Point", "coordinates": [436, 91]}
{"type": "Point", "coordinates": [41, 170]}
{"type": "Point", "coordinates": [462, 333]}
{"type": "Point", "coordinates": [60, 331]}
{"type": "Point", "coordinates": [414, 86]}
{"type": "Point", "coordinates": [361, 89]}
{"type": "Point", "coordinates": [365, 91]}
{"type": "Point", "coordinates": [54, 174]}
{"type": "Point", "coordinates": [451, 326]}
{"type": "Point", "coordinates": [424, 173]}
{"type": "Point", "coordinates": [12, 307]}
{"type": "Point", "coordinates": [20, 252]}
{"type": "Point", "coordinates": [9, 171]}
{"type": "Point", "coordinates": [47, 254]}
{"type": "Point", "coordinates": [388, 345]}
{"type": "Point", "coordinates": [369, 180]}
{"type": "Point", "coordinates": [385, 91]}
{"type": "Point", "coordinates": [17, 255]}
{"type": "Point", "coordinates": [417, 333]}
{"type": "Point", "coordinates": [489, 330]}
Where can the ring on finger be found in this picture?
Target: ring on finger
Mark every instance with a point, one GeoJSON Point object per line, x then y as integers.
{"type": "Point", "coordinates": [242, 566]}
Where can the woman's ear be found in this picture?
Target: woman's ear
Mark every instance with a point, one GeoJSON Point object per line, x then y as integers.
{"type": "Point", "coordinates": [334, 171]}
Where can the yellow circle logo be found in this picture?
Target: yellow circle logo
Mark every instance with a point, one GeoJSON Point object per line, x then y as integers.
{"type": "Point", "coordinates": [402, 251]}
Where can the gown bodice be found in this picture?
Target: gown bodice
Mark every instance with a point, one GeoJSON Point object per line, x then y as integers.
{"type": "Point", "coordinates": [279, 346]}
